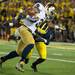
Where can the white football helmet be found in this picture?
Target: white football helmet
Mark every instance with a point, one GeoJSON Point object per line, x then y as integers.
{"type": "Point", "coordinates": [39, 6]}
{"type": "Point", "coordinates": [49, 8]}
{"type": "Point", "coordinates": [41, 10]}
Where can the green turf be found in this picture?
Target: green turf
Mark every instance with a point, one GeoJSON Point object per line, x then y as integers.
{"type": "Point", "coordinates": [61, 60]}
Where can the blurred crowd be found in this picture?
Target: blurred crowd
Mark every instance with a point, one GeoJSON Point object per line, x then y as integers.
{"type": "Point", "coordinates": [63, 25]}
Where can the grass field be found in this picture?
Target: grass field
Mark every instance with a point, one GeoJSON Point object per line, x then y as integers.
{"type": "Point", "coordinates": [60, 60]}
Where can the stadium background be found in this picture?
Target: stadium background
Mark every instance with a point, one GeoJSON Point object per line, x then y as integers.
{"type": "Point", "coordinates": [61, 56]}
{"type": "Point", "coordinates": [64, 19]}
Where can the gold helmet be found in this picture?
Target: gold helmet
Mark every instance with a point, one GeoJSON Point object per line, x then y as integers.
{"type": "Point", "coordinates": [31, 11]}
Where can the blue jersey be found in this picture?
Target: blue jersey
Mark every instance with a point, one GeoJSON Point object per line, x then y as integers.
{"type": "Point", "coordinates": [48, 36]}
{"type": "Point", "coordinates": [44, 37]}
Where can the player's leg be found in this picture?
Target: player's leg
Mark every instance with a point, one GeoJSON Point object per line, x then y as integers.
{"type": "Point", "coordinates": [26, 61]}
{"type": "Point", "coordinates": [23, 54]}
{"type": "Point", "coordinates": [10, 55]}
{"type": "Point", "coordinates": [29, 56]}
{"type": "Point", "coordinates": [25, 46]}
{"type": "Point", "coordinates": [41, 47]}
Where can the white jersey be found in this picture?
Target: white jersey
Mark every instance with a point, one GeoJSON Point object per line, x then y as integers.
{"type": "Point", "coordinates": [42, 11]}
{"type": "Point", "coordinates": [30, 23]}
{"type": "Point", "coordinates": [40, 15]}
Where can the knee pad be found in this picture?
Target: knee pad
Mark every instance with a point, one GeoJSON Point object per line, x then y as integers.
{"type": "Point", "coordinates": [27, 50]}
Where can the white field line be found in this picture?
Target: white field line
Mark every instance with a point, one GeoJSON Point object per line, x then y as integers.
{"type": "Point", "coordinates": [59, 47]}
{"type": "Point", "coordinates": [57, 54]}
{"type": "Point", "coordinates": [50, 59]}
{"type": "Point", "coordinates": [49, 46]}
{"type": "Point", "coordinates": [61, 60]}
